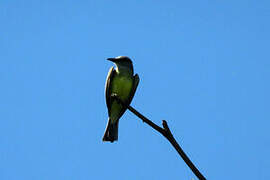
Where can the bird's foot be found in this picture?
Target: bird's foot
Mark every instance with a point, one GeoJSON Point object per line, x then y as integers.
{"type": "Point", "coordinates": [114, 95]}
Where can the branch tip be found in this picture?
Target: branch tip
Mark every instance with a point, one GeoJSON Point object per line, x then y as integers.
{"type": "Point", "coordinates": [165, 124]}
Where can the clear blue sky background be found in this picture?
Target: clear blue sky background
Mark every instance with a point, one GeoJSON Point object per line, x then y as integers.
{"type": "Point", "coordinates": [204, 67]}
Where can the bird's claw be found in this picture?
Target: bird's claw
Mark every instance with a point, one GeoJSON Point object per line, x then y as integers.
{"type": "Point", "coordinates": [114, 95]}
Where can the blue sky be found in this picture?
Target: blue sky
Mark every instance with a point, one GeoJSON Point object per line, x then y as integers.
{"type": "Point", "coordinates": [204, 67]}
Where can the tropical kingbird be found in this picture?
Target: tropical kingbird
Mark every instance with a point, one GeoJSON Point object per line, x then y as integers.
{"type": "Point", "coordinates": [121, 82]}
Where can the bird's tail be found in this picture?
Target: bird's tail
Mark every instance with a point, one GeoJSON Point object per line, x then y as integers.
{"type": "Point", "coordinates": [111, 132]}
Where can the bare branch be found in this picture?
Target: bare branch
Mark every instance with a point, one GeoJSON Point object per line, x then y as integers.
{"type": "Point", "coordinates": [166, 132]}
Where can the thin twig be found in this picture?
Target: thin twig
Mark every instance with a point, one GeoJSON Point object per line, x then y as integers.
{"type": "Point", "coordinates": [166, 132]}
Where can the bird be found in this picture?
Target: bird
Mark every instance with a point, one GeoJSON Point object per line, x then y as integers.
{"type": "Point", "coordinates": [121, 82]}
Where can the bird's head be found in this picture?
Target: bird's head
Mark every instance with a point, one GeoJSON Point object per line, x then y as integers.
{"type": "Point", "coordinates": [121, 59]}
{"type": "Point", "coordinates": [122, 62]}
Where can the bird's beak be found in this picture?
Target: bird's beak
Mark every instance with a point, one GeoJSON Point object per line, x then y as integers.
{"type": "Point", "coordinates": [111, 59]}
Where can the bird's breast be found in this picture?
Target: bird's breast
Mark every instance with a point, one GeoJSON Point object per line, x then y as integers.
{"type": "Point", "coordinates": [122, 86]}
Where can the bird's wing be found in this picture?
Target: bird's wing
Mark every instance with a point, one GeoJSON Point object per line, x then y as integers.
{"type": "Point", "coordinates": [110, 76]}
{"type": "Point", "coordinates": [136, 81]}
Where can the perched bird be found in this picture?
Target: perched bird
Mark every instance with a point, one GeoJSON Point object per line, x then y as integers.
{"type": "Point", "coordinates": [121, 82]}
